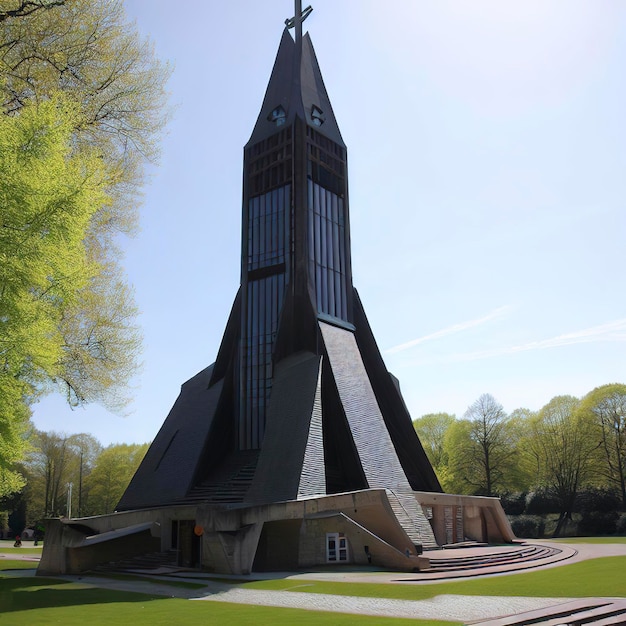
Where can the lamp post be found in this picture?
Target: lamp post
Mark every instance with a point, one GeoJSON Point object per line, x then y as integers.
{"type": "Point", "coordinates": [69, 500]}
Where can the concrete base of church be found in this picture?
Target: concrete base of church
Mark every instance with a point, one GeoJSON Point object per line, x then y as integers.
{"type": "Point", "coordinates": [357, 528]}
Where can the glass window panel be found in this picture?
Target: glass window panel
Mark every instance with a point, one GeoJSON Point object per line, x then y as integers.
{"type": "Point", "coordinates": [255, 311]}
{"type": "Point", "coordinates": [248, 311]}
{"type": "Point", "coordinates": [287, 219]}
{"type": "Point", "coordinates": [318, 286]}
{"type": "Point", "coordinates": [311, 233]}
{"type": "Point", "coordinates": [268, 307]}
{"type": "Point", "coordinates": [323, 244]}
{"type": "Point", "coordinates": [253, 231]}
{"type": "Point", "coordinates": [335, 209]}
{"type": "Point", "coordinates": [261, 228]}
{"type": "Point", "coordinates": [336, 247]}
{"type": "Point", "coordinates": [316, 198]}
{"type": "Point", "coordinates": [329, 244]}
{"type": "Point", "coordinates": [281, 286]}
{"type": "Point", "coordinates": [318, 239]}
{"type": "Point", "coordinates": [261, 309]}
{"type": "Point", "coordinates": [331, 292]}
{"type": "Point", "coordinates": [268, 227]}
{"type": "Point", "coordinates": [342, 251]}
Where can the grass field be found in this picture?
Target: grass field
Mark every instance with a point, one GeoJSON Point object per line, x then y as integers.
{"type": "Point", "coordinates": [602, 577]}
{"type": "Point", "coordinates": [35, 601]}
{"type": "Point", "coordinates": [596, 540]}
{"type": "Point", "coordinates": [9, 564]}
{"type": "Point", "coordinates": [6, 547]}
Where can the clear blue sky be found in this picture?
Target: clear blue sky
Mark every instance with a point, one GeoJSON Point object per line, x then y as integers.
{"type": "Point", "coordinates": [487, 169]}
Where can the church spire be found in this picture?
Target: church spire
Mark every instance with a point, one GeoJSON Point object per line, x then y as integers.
{"type": "Point", "coordinates": [296, 87]}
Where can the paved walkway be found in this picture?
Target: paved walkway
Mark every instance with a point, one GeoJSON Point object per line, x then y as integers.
{"type": "Point", "coordinates": [443, 607]}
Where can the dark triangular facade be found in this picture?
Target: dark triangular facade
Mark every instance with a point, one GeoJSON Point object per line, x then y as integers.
{"type": "Point", "coordinates": [299, 402]}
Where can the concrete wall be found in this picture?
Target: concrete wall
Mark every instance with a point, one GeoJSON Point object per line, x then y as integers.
{"type": "Point", "coordinates": [82, 559]}
{"type": "Point", "coordinates": [382, 554]}
{"type": "Point", "coordinates": [279, 546]}
{"type": "Point", "coordinates": [282, 535]}
{"type": "Point", "coordinates": [483, 518]}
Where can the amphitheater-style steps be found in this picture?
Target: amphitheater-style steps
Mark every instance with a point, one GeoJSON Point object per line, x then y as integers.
{"type": "Point", "coordinates": [507, 557]}
{"type": "Point", "coordinates": [595, 612]}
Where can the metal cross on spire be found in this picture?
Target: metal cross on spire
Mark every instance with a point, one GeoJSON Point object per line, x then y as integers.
{"type": "Point", "coordinates": [298, 18]}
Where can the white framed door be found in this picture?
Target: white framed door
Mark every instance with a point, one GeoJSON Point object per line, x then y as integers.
{"type": "Point", "coordinates": [336, 548]}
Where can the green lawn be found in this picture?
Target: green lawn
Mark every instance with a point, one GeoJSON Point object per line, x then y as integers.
{"type": "Point", "coordinates": [602, 577]}
{"type": "Point", "coordinates": [8, 564]}
{"type": "Point", "coordinates": [590, 540]}
{"type": "Point", "coordinates": [9, 549]}
{"type": "Point", "coordinates": [36, 601]}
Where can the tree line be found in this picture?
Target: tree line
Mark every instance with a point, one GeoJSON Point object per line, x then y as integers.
{"type": "Point", "coordinates": [82, 104]}
{"type": "Point", "coordinates": [69, 475]}
{"type": "Point", "coordinates": [569, 445]}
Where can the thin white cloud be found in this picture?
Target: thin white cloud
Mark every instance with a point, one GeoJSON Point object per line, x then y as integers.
{"type": "Point", "coordinates": [614, 331]}
{"type": "Point", "coordinates": [450, 330]}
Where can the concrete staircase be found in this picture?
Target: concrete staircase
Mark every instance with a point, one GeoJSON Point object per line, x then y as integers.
{"type": "Point", "coordinates": [151, 561]}
{"type": "Point", "coordinates": [515, 555]}
{"type": "Point", "coordinates": [595, 612]}
{"type": "Point", "coordinates": [229, 484]}
{"type": "Point", "coordinates": [412, 519]}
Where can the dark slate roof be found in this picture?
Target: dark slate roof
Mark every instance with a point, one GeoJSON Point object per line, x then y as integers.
{"type": "Point", "coordinates": [297, 87]}
{"type": "Point", "coordinates": [386, 387]}
{"type": "Point", "coordinates": [166, 472]}
{"type": "Point", "coordinates": [369, 432]}
{"type": "Point", "coordinates": [291, 461]}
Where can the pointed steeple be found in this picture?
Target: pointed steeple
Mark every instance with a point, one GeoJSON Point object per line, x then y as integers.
{"type": "Point", "coordinates": [296, 89]}
{"type": "Point", "coordinates": [299, 401]}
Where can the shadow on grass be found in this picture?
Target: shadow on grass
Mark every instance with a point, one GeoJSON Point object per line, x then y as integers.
{"type": "Point", "coordinates": [21, 594]}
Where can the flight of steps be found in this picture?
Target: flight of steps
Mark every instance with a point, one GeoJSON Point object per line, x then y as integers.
{"type": "Point", "coordinates": [229, 484]}
{"type": "Point", "coordinates": [515, 555]}
{"type": "Point", "coordinates": [151, 561]}
{"type": "Point", "coordinates": [412, 519]}
{"type": "Point", "coordinates": [598, 612]}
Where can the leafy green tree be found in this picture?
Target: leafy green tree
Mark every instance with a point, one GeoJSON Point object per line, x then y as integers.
{"type": "Point", "coordinates": [84, 103]}
{"type": "Point", "coordinates": [55, 461]}
{"type": "Point", "coordinates": [461, 474]}
{"type": "Point", "coordinates": [524, 469]}
{"type": "Point", "coordinates": [431, 429]}
{"type": "Point", "coordinates": [607, 406]}
{"type": "Point", "coordinates": [49, 191]}
{"type": "Point", "coordinates": [564, 444]}
{"type": "Point", "coordinates": [112, 473]}
{"type": "Point", "coordinates": [481, 448]}
{"type": "Point", "coordinates": [48, 473]}
{"type": "Point", "coordinates": [22, 8]}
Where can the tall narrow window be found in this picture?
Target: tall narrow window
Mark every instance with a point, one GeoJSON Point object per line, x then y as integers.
{"type": "Point", "coordinates": [268, 232]}
{"type": "Point", "coordinates": [327, 251]}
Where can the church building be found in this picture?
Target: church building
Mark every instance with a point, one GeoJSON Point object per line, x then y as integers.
{"type": "Point", "coordinates": [295, 447]}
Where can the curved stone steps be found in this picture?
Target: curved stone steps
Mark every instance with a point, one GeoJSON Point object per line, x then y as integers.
{"type": "Point", "coordinates": [523, 554]}
{"type": "Point", "coordinates": [595, 612]}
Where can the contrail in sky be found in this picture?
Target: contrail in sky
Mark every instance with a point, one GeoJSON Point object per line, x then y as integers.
{"type": "Point", "coordinates": [614, 331]}
{"type": "Point", "coordinates": [450, 330]}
